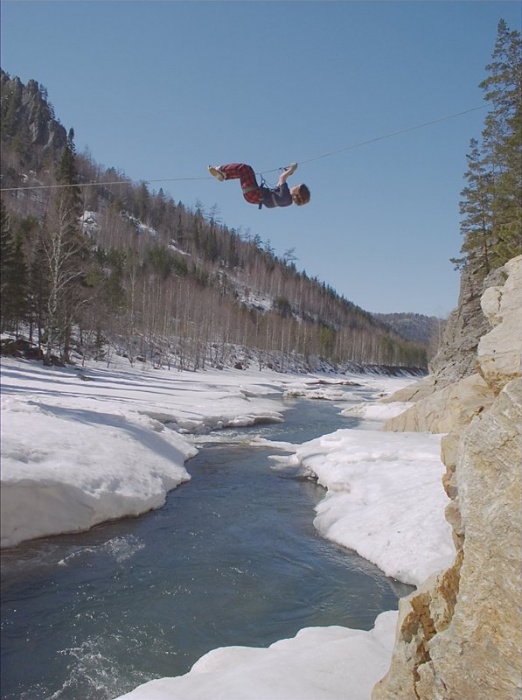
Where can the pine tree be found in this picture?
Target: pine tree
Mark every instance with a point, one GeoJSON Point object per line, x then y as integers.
{"type": "Point", "coordinates": [476, 209]}
{"type": "Point", "coordinates": [14, 281]}
{"type": "Point", "coordinates": [6, 261]}
{"type": "Point", "coordinates": [491, 204]}
{"type": "Point", "coordinates": [502, 143]}
{"type": "Point", "coordinates": [507, 210]}
{"type": "Point", "coordinates": [67, 178]}
{"type": "Point", "coordinates": [142, 203]}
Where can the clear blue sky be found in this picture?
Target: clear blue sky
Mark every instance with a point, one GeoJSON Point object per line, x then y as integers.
{"type": "Point", "coordinates": [160, 89]}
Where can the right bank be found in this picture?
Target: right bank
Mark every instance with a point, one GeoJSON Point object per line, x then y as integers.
{"type": "Point", "coordinates": [459, 635]}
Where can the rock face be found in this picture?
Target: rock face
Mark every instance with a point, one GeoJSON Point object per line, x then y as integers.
{"type": "Point", "coordinates": [484, 636]}
{"type": "Point", "coordinates": [499, 351]}
{"type": "Point", "coordinates": [28, 118]}
{"type": "Point", "coordinates": [459, 635]}
{"type": "Point", "coordinates": [456, 357]}
{"type": "Point", "coordinates": [445, 410]}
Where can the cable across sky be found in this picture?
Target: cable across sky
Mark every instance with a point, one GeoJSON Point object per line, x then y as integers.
{"type": "Point", "coordinates": [301, 162]}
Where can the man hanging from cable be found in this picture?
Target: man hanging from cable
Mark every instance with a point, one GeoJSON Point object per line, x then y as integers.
{"type": "Point", "coordinates": [270, 197]}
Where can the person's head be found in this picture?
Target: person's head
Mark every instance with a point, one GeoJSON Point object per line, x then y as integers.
{"type": "Point", "coordinates": [300, 194]}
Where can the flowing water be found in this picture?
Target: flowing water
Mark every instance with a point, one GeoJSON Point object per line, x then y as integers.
{"type": "Point", "coordinates": [232, 559]}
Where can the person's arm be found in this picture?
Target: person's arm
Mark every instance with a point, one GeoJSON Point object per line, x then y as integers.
{"type": "Point", "coordinates": [286, 174]}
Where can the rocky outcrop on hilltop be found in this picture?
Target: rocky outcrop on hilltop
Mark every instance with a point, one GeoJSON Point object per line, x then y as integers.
{"type": "Point", "coordinates": [29, 126]}
{"type": "Point", "coordinates": [459, 635]}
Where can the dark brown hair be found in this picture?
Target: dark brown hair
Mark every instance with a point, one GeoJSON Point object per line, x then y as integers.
{"type": "Point", "coordinates": [303, 195]}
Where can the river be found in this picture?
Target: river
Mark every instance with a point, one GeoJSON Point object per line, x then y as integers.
{"type": "Point", "coordinates": [231, 559]}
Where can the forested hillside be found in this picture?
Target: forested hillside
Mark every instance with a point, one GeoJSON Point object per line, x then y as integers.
{"type": "Point", "coordinates": [117, 268]}
{"type": "Point", "coordinates": [426, 330]}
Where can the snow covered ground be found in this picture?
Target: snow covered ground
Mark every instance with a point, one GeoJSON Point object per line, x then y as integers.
{"type": "Point", "coordinates": [385, 499]}
{"type": "Point", "coordinates": [83, 446]}
{"type": "Point", "coordinates": [319, 663]}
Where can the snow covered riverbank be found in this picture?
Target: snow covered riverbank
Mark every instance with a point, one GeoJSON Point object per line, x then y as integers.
{"type": "Point", "coordinates": [80, 447]}
{"type": "Point", "coordinates": [385, 499]}
{"type": "Point", "coordinates": [319, 663]}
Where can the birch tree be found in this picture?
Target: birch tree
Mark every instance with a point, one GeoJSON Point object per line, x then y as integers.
{"type": "Point", "coordinates": [65, 252]}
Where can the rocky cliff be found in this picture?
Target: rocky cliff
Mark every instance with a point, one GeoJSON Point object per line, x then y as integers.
{"type": "Point", "coordinates": [30, 132]}
{"type": "Point", "coordinates": [459, 635]}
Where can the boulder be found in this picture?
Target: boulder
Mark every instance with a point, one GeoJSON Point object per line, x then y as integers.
{"type": "Point", "coordinates": [499, 352]}
{"type": "Point", "coordinates": [445, 410]}
{"type": "Point", "coordinates": [413, 392]}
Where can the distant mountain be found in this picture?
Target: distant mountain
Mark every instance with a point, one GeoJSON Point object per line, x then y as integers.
{"type": "Point", "coordinates": [425, 330]}
{"type": "Point", "coordinates": [93, 263]}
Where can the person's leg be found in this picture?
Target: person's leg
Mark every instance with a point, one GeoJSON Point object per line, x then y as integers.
{"type": "Point", "coordinates": [239, 171]}
{"type": "Point", "coordinates": [247, 178]}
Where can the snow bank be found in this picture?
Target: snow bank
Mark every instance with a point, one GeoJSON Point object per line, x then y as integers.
{"type": "Point", "coordinates": [82, 447]}
{"type": "Point", "coordinates": [67, 469]}
{"type": "Point", "coordinates": [319, 663]}
{"type": "Point", "coordinates": [385, 498]}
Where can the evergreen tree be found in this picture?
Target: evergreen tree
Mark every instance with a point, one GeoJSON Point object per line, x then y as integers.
{"type": "Point", "coordinates": [19, 283]}
{"type": "Point", "coordinates": [142, 203]}
{"type": "Point", "coordinates": [67, 178]}
{"type": "Point", "coordinates": [13, 275]}
{"type": "Point", "coordinates": [502, 142]}
{"type": "Point", "coordinates": [476, 209]}
{"type": "Point", "coordinates": [491, 203]}
{"type": "Point", "coordinates": [6, 261]}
